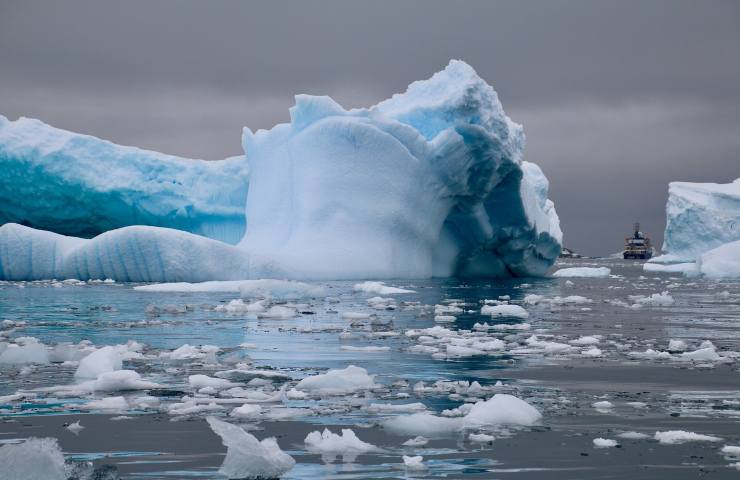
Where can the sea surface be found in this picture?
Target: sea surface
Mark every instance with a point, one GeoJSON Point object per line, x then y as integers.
{"type": "Point", "coordinates": [592, 356]}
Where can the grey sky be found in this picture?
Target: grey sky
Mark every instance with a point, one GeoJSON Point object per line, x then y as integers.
{"type": "Point", "coordinates": [617, 97]}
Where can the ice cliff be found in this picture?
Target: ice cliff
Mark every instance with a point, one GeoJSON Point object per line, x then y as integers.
{"type": "Point", "coordinates": [79, 185]}
{"type": "Point", "coordinates": [428, 182]}
{"type": "Point", "coordinates": [703, 226]}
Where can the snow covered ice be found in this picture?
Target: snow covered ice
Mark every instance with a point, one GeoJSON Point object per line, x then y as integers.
{"type": "Point", "coordinates": [428, 182]}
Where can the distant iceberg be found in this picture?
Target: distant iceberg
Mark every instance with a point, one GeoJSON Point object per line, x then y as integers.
{"type": "Point", "coordinates": [702, 226]}
{"type": "Point", "coordinates": [430, 182]}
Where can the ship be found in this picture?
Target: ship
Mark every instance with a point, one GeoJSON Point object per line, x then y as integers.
{"type": "Point", "coordinates": [637, 246]}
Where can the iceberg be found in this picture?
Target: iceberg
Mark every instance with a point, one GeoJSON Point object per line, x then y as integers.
{"type": "Point", "coordinates": [80, 185]}
{"type": "Point", "coordinates": [699, 218]}
{"type": "Point", "coordinates": [702, 230]}
{"type": "Point", "coordinates": [430, 182]}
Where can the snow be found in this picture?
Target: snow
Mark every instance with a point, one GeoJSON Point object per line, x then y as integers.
{"type": "Point", "coordinates": [428, 183]}
{"type": "Point", "coordinates": [585, 272]}
{"type": "Point", "coordinates": [331, 444]}
{"type": "Point", "coordinates": [379, 288]}
{"type": "Point", "coordinates": [80, 185]}
{"type": "Point", "coordinates": [673, 437]}
{"type": "Point", "coordinates": [604, 443]}
{"type": "Point", "coordinates": [700, 217]}
{"type": "Point", "coordinates": [504, 311]}
{"type": "Point", "coordinates": [247, 457]}
{"type": "Point", "coordinates": [32, 459]}
{"type": "Point", "coordinates": [338, 382]}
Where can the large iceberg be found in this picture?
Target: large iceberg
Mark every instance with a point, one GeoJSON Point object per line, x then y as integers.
{"type": "Point", "coordinates": [700, 217]}
{"type": "Point", "coordinates": [73, 184]}
{"type": "Point", "coordinates": [430, 182]}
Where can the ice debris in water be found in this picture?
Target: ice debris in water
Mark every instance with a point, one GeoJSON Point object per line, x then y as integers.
{"type": "Point", "coordinates": [25, 350]}
{"type": "Point", "coordinates": [331, 444]}
{"type": "Point", "coordinates": [262, 288]}
{"type": "Point", "coordinates": [587, 272]}
{"type": "Point", "coordinates": [379, 288]}
{"type": "Point", "coordinates": [672, 437]}
{"type": "Point", "coordinates": [105, 359]}
{"type": "Point", "coordinates": [32, 459]}
{"type": "Point", "coordinates": [432, 182]}
{"type": "Point", "coordinates": [499, 410]}
{"type": "Point", "coordinates": [414, 463]}
{"type": "Point", "coordinates": [75, 427]}
{"type": "Point", "coordinates": [247, 457]}
{"type": "Point", "coordinates": [504, 311]}
{"type": "Point", "coordinates": [338, 382]}
{"type": "Point", "coordinates": [604, 443]}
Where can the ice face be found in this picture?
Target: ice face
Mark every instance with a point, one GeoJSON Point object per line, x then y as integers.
{"type": "Point", "coordinates": [81, 185]}
{"type": "Point", "coordinates": [700, 217]}
{"type": "Point", "coordinates": [428, 183]}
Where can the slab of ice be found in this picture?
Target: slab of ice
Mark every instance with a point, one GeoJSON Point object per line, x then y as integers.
{"type": "Point", "coordinates": [30, 350]}
{"type": "Point", "coordinates": [686, 268]}
{"type": "Point", "coordinates": [504, 311]}
{"type": "Point", "coordinates": [263, 288]}
{"type": "Point", "coordinates": [721, 262]}
{"type": "Point", "coordinates": [105, 359]}
{"type": "Point", "coordinates": [32, 459]}
{"type": "Point", "coordinates": [379, 288]}
{"type": "Point", "coordinates": [414, 463]}
{"type": "Point", "coordinates": [330, 445]}
{"type": "Point", "coordinates": [429, 182]}
{"type": "Point", "coordinates": [80, 185]}
{"type": "Point", "coordinates": [586, 272]}
{"type": "Point", "coordinates": [672, 437]}
{"type": "Point", "coordinates": [700, 217]}
{"type": "Point", "coordinates": [338, 382]}
{"type": "Point", "coordinates": [247, 457]}
{"type": "Point", "coordinates": [604, 443]}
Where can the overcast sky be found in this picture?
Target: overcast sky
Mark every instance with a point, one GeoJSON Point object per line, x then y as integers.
{"type": "Point", "coordinates": [617, 98]}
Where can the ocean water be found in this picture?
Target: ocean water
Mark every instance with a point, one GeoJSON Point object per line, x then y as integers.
{"type": "Point", "coordinates": [586, 340]}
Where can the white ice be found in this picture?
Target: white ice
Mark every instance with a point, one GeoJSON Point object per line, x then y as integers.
{"type": "Point", "coordinates": [585, 272]}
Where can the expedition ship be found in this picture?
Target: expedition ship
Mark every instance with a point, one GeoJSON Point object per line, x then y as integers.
{"type": "Point", "coordinates": [637, 246]}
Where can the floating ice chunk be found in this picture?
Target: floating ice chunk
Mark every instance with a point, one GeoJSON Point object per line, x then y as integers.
{"type": "Point", "coordinates": [504, 311]}
{"type": "Point", "coordinates": [247, 457]}
{"type": "Point", "coordinates": [239, 306]}
{"type": "Point", "coordinates": [592, 352]}
{"type": "Point", "coordinates": [731, 451]}
{"type": "Point", "coordinates": [586, 272]}
{"type": "Point", "coordinates": [75, 427]}
{"type": "Point", "coordinates": [246, 411]}
{"type": "Point", "coordinates": [107, 404]}
{"type": "Point", "coordinates": [604, 443]}
{"type": "Point", "coordinates": [369, 348]}
{"type": "Point", "coordinates": [278, 312]}
{"type": "Point", "coordinates": [202, 381]}
{"type": "Point", "coordinates": [502, 409]}
{"type": "Point", "coordinates": [396, 407]}
{"type": "Point", "coordinates": [330, 444]}
{"type": "Point", "coordinates": [481, 438]}
{"type": "Point", "coordinates": [423, 424]}
{"type": "Point", "coordinates": [569, 300]}
{"type": "Point", "coordinates": [32, 459]}
{"type": "Point", "coordinates": [656, 299]}
{"type": "Point", "coordinates": [106, 359]}
{"type": "Point", "coordinates": [445, 318]}
{"type": "Point", "coordinates": [414, 463]}
{"type": "Point", "coordinates": [26, 350]}
{"type": "Point", "coordinates": [677, 346]}
{"type": "Point", "coordinates": [379, 288]}
{"type": "Point", "coordinates": [338, 382]}
{"type": "Point", "coordinates": [633, 435]}
{"type": "Point", "coordinates": [117, 380]}
{"type": "Point", "coordinates": [586, 340]}
{"type": "Point", "coordinates": [672, 437]}
{"type": "Point", "coordinates": [603, 406]}
{"type": "Point", "coordinates": [416, 441]}
{"type": "Point", "coordinates": [708, 354]}
{"type": "Point", "coordinates": [688, 268]}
